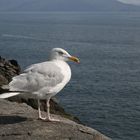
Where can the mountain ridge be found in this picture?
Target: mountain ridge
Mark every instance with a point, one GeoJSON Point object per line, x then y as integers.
{"type": "Point", "coordinates": [66, 5]}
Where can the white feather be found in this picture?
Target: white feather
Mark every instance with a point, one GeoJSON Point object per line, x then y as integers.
{"type": "Point", "coordinates": [8, 94]}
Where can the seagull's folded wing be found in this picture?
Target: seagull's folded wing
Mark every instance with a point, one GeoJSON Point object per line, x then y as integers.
{"type": "Point", "coordinates": [37, 76]}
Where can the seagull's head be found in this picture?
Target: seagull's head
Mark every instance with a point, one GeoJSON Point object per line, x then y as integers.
{"type": "Point", "coordinates": [61, 54]}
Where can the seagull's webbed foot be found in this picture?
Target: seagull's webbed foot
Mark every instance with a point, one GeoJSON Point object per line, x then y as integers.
{"type": "Point", "coordinates": [52, 120]}
{"type": "Point", "coordinates": [42, 118]}
{"type": "Point", "coordinates": [48, 119]}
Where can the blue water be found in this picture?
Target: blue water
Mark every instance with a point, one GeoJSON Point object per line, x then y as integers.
{"type": "Point", "coordinates": [105, 88]}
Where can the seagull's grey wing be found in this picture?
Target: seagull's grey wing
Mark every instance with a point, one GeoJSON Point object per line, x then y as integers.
{"type": "Point", "coordinates": [37, 76]}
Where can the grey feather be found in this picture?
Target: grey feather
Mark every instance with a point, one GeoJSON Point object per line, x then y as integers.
{"type": "Point", "coordinates": [37, 76]}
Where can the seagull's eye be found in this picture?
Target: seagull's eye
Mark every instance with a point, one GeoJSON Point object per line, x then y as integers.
{"type": "Point", "coordinates": [61, 53]}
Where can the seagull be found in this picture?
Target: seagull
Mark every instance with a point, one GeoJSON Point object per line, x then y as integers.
{"type": "Point", "coordinates": [43, 80]}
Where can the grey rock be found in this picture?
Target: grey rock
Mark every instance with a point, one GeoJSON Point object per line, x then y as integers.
{"type": "Point", "coordinates": [8, 69]}
{"type": "Point", "coordinates": [19, 122]}
{"type": "Point", "coordinates": [55, 108]}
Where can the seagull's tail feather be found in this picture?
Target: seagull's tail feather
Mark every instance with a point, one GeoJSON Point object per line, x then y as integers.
{"type": "Point", "coordinates": [8, 94]}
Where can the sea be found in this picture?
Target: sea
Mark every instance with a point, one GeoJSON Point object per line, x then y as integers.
{"type": "Point", "coordinates": [104, 91]}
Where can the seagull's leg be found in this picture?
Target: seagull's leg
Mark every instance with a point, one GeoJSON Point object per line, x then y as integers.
{"type": "Point", "coordinates": [48, 111]}
{"type": "Point", "coordinates": [48, 108]}
{"type": "Point", "coordinates": [39, 111]}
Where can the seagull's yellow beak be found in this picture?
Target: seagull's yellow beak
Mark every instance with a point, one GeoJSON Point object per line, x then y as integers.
{"type": "Point", "coordinates": [75, 59]}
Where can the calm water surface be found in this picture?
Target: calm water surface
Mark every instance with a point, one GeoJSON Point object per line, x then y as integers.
{"type": "Point", "coordinates": [105, 88]}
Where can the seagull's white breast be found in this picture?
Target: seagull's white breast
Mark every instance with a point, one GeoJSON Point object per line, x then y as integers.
{"type": "Point", "coordinates": [66, 71]}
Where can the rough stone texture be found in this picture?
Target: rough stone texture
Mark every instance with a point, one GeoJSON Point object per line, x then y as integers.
{"type": "Point", "coordinates": [19, 122]}
{"type": "Point", "coordinates": [8, 69]}
{"type": "Point", "coordinates": [55, 108]}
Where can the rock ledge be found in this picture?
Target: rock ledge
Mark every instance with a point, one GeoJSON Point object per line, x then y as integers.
{"type": "Point", "coordinates": [19, 122]}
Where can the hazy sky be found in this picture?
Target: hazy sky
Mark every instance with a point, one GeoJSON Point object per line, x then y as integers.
{"type": "Point", "coordinates": [135, 2]}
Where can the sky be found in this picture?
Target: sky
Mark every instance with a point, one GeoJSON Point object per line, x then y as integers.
{"type": "Point", "coordinates": [134, 2]}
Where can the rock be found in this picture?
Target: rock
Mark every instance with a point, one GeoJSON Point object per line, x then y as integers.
{"type": "Point", "coordinates": [55, 108]}
{"type": "Point", "coordinates": [8, 69]}
{"type": "Point", "coordinates": [19, 122]}
{"type": "Point", "coordinates": [3, 80]}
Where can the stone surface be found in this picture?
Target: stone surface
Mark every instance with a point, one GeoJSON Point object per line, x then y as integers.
{"type": "Point", "coordinates": [18, 121]}
{"type": "Point", "coordinates": [55, 108]}
{"type": "Point", "coordinates": [8, 69]}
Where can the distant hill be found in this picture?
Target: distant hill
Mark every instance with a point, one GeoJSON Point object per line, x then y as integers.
{"type": "Point", "coordinates": [65, 5]}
